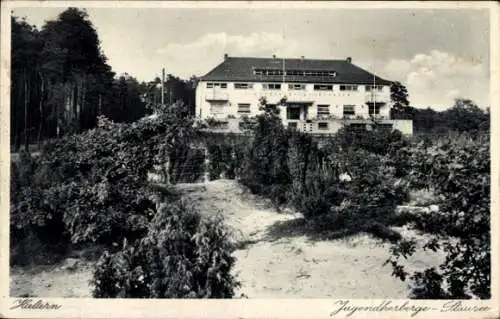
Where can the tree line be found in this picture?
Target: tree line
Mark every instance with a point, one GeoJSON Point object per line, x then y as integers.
{"type": "Point", "coordinates": [61, 81]}
{"type": "Point", "coordinates": [463, 116]}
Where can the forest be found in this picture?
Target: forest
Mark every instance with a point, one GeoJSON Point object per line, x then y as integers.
{"type": "Point", "coordinates": [61, 82]}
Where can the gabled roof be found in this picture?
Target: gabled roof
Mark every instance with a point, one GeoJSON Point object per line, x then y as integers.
{"type": "Point", "coordinates": [241, 69]}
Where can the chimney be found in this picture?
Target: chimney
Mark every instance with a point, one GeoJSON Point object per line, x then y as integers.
{"type": "Point", "coordinates": [226, 56]}
{"type": "Point", "coordinates": [274, 56]}
{"type": "Point", "coordinates": [302, 57]}
{"type": "Point", "coordinates": [349, 59]}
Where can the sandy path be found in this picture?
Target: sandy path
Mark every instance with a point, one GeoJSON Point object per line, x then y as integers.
{"type": "Point", "coordinates": [292, 265]}
{"type": "Point", "coordinates": [270, 264]}
{"type": "Point", "coordinates": [52, 281]}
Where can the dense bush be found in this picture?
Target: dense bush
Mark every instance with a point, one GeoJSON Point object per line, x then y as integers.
{"type": "Point", "coordinates": [92, 187]}
{"type": "Point", "coordinates": [314, 182]}
{"type": "Point", "coordinates": [264, 168]}
{"type": "Point", "coordinates": [353, 191]}
{"type": "Point", "coordinates": [373, 191]}
{"type": "Point", "coordinates": [458, 170]}
{"type": "Point", "coordinates": [376, 141]}
{"type": "Point", "coordinates": [182, 256]}
{"type": "Point", "coordinates": [353, 184]}
{"type": "Point", "coordinates": [33, 214]}
{"type": "Point", "coordinates": [223, 160]}
{"type": "Point", "coordinates": [187, 166]}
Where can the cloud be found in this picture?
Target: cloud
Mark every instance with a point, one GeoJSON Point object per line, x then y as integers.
{"type": "Point", "coordinates": [436, 78]}
{"type": "Point", "coordinates": [433, 78]}
{"type": "Point", "coordinates": [205, 52]}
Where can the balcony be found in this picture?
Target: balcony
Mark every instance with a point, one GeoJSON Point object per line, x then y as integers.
{"type": "Point", "coordinates": [214, 96]}
{"type": "Point", "coordinates": [377, 97]}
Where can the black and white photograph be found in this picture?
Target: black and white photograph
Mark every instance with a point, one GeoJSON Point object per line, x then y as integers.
{"type": "Point", "coordinates": [278, 150]}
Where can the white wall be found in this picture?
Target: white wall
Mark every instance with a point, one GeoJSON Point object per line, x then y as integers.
{"type": "Point", "coordinates": [336, 99]}
{"type": "Point", "coordinates": [405, 126]}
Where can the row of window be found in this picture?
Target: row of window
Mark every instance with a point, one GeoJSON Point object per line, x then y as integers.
{"type": "Point", "coordinates": [293, 113]}
{"type": "Point", "coordinates": [277, 86]}
{"type": "Point", "coordinates": [295, 72]}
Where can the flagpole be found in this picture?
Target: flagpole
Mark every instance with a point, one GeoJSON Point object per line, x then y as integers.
{"type": "Point", "coordinates": [373, 72]}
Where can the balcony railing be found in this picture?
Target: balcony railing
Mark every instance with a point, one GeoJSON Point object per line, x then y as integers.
{"type": "Point", "coordinates": [216, 96]}
{"type": "Point", "coordinates": [377, 97]}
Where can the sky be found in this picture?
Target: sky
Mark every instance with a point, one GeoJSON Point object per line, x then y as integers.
{"type": "Point", "coordinates": [439, 54]}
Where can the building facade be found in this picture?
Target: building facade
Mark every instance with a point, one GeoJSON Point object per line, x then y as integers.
{"type": "Point", "coordinates": [314, 96]}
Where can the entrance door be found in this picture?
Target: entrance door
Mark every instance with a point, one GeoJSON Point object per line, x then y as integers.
{"type": "Point", "coordinates": [293, 112]}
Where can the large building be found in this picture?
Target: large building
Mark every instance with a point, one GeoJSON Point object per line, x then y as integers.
{"type": "Point", "coordinates": [321, 95]}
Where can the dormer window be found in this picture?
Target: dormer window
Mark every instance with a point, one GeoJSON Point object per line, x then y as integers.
{"type": "Point", "coordinates": [323, 87]}
{"type": "Point", "coordinates": [211, 85]}
{"type": "Point", "coordinates": [315, 73]}
{"type": "Point", "coordinates": [348, 87]}
{"type": "Point", "coordinates": [296, 86]}
{"type": "Point", "coordinates": [243, 86]}
{"type": "Point", "coordinates": [271, 86]}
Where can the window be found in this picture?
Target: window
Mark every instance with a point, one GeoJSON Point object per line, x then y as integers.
{"type": "Point", "coordinates": [293, 113]}
{"type": "Point", "coordinates": [375, 88]}
{"type": "Point", "coordinates": [296, 86]}
{"type": "Point", "coordinates": [294, 72]}
{"type": "Point", "coordinates": [374, 108]}
{"type": "Point", "coordinates": [211, 85]}
{"type": "Point", "coordinates": [271, 86]}
{"type": "Point", "coordinates": [243, 86]}
{"type": "Point", "coordinates": [280, 71]}
{"type": "Point", "coordinates": [348, 87]}
{"type": "Point", "coordinates": [349, 110]}
{"type": "Point", "coordinates": [323, 126]}
{"type": "Point", "coordinates": [323, 111]}
{"type": "Point", "coordinates": [292, 125]}
{"type": "Point", "coordinates": [268, 71]}
{"type": "Point", "coordinates": [217, 108]}
{"type": "Point", "coordinates": [243, 108]}
{"type": "Point", "coordinates": [275, 72]}
{"type": "Point", "coordinates": [323, 87]}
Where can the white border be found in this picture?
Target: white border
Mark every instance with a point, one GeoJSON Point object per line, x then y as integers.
{"type": "Point", "coordinates": [241, 308]}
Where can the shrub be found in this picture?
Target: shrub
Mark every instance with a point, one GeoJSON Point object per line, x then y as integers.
{"type": "Point", "coordinates": [188, 164]}
{"type": "Point", "coordinates": [264, 168]}
{"type": "Point", "coordinates": [339, 188]}
{"type": "Point", "coordinates": [32, 210]}
{"type": "Point", "coordinates": [182, 256]}
{"type": "Point", "coordinates": [92, 187]}
{"type": "Point", "coordinates": [365, 193]}
{"type": "Point", "coordinates": [460, 171]}
{"type": "Point", "coordinates": [346, 191]}
{"type": "Point", "coordinates": [379, 141]}
{"type": "Point", "coordinates": [315, 182]}
{"type": "Point", "coordinates": [222, 158]}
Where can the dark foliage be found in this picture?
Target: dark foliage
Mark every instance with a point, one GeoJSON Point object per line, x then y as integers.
{"type": "Point", "coordinates": [182, 256]}
{"type": "Point", "coordinates": [93, 187]}
{"type": "Point", "coordinates": [264, 170]}
{"type": "Point", "coordinates": [458, 170]}
{"type": "Point", "coordinates": [62, 83]}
